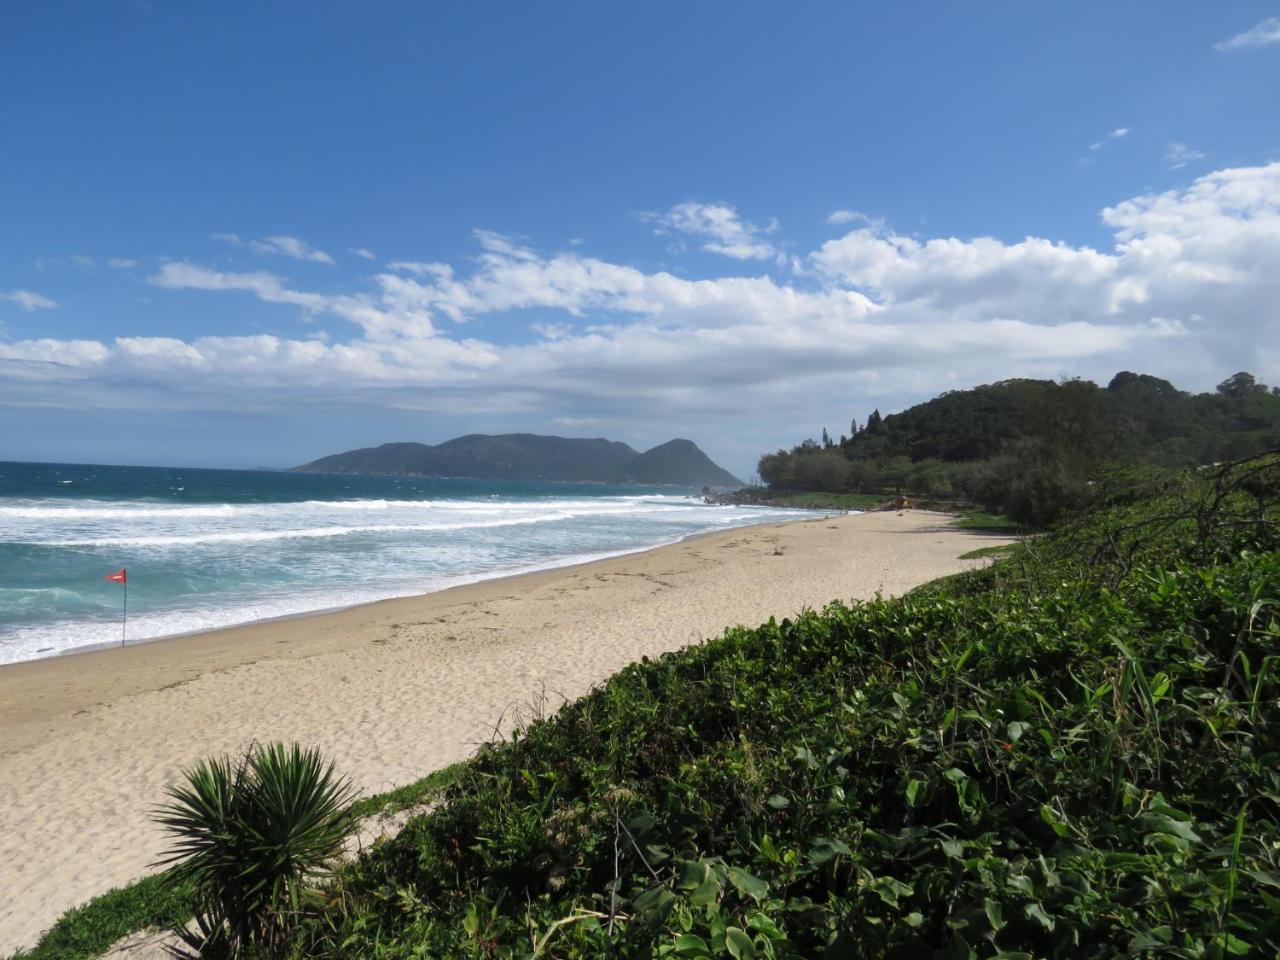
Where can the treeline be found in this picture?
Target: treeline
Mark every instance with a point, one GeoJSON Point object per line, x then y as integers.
{"type": "Point", "coordinates": [1028, 448]}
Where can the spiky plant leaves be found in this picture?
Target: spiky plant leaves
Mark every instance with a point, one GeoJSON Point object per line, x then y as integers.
{"type": "Point", "coordinates": [255, 834]}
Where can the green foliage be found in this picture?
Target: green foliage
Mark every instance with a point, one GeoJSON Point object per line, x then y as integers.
{"type": "Point", "coordinates": [252, 835]}
{"type": "Point", "coordinates": [986, 522]}
{"type": "Point", "coordinates": [1030, 448]}
{"type": "Point", "coordinates": [413, 794]}
{"type": "Point", "coordinates": [159, 901]}
{"type": "Point", "coordinates": [1074, 753]}
{"type": "Point", "coordinates": [1003, 550]}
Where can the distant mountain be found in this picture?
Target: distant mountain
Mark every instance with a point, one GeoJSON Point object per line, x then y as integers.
{"type": "Point", "coordinates": [676, 461]}
{"type": "Point", "coordinates": [526, 456]}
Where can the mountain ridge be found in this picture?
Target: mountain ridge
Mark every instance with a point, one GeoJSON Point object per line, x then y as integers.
{"type": "Point", "coordinates": [527, 456]}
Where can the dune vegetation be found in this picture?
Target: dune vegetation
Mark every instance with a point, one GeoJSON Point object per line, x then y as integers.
{"type": "Point", "coordinates": [1072, 753]}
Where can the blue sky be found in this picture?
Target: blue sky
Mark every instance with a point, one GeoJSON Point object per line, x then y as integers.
{"type": "Point", "coordinates": [253, 234]}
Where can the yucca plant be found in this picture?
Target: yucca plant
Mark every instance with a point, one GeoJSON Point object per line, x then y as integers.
{"type": "Point", "coordinates": [254, 835]}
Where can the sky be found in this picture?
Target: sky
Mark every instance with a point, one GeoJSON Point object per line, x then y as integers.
{"type": "Point", "coordinates": [250, 235]}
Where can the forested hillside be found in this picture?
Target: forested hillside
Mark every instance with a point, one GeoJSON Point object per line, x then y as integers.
{"type": "Point", "coordinates": [1029, 447]}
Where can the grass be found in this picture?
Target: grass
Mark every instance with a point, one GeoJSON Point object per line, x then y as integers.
{"type": "Point", "coordinates": [989, 522]}
{"type": "Point", "coordinates": [1003, 550]}
{"type": "Point", "coordinates": [159, 902]}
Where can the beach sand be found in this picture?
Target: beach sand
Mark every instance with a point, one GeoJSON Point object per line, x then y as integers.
{"type": "Point", "coordinates": [390, 690]}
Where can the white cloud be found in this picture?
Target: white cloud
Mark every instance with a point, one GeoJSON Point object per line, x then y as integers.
{"type": "Point", "coordinates": [839, 217]}
{"type": "Point", "coordinates": [267, 286]}
{"type": "Point", "coordinates": [552, 331]}
{"type": "Point", "coordinates": [1262, 34]}
{"type": "Point", "coordinates": [28, 301]}
{"type": "Point", "coordinates": [89, 263]}
{"type": "Point", "coordinates": [719, 225]}
{"type": "Point", "coordinates": [364, 252]}
{"type": "Point", "coordinates": [1200, 251]}
{"type": "Point", "coordinates": [291, 247]}
{"type": "Point", "coordinates": [1187, 288]}
{"type": "Point", "coordinates": [421, 268]}
{"type": "Point", "coordinates": [1178, 155]}
{"type": "Point", "coordinates": [1119, 133]}
{"type": "Point", "coordinates": [287, 246]}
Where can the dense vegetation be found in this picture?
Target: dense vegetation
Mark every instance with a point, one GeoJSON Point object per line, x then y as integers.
{"type": "Point", "coordinates": [1075, 753]}
{"type": "Point", "coordinates": [525, 456]}
{"type": "Point", "coordinates": [1030, 448]}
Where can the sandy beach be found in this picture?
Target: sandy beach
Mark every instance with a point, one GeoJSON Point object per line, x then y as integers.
{"type": "Point", "coordinates": [391, 690]}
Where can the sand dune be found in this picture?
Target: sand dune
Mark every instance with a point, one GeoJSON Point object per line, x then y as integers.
{"type": "Point", "coordinates": [391, 690]}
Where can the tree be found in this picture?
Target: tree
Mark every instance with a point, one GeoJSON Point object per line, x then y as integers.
{"type": "Point", "coordinates": [826, 470]}
{"type": "Point", "coordinates": [1241, 385]}
{"type": "Point", "coordinates": [778, 469]}
{"type": "Point", "coordinates": [930, 478]}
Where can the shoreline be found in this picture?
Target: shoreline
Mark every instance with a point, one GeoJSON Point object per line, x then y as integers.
{"type": "Point", "coordinates": [461, 580]}
{"type": "Point", "coordinates": [389, 690]}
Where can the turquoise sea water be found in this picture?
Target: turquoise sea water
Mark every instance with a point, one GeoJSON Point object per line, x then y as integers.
{"type": "Point", "coordinates": [211, 548]}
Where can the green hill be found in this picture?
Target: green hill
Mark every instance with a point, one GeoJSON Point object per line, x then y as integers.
{"type": "Point", "coordinates": [679, 461]}
{"type": "Point", "coordinates": [1031, 447]}
{"type": "Point", "coordinates": [525, 456]}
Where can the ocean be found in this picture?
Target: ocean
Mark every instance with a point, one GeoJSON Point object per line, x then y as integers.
{"type": "Point", "coordinates": [213, 548]}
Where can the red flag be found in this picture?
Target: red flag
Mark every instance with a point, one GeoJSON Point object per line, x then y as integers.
{"type": "Point", "coordinates": [118, 577]}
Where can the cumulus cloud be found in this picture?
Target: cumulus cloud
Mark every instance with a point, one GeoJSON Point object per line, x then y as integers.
{"type": "Point", "coordinates": [720, 228]}
{"type": "Point", "coordinates": [1263, 34]}
{"type": "Point", "coordinates": [121, 263]}
{"type": "Point", "coordinates": [1187, 288]}
{"type": "Point", "coordinates": [364, 253]}
{"type": "Point", "coordinates": [1178, 155]}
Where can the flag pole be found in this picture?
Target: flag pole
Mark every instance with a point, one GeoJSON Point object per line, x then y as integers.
{"type": "Point", "coordinates": [124, 613]}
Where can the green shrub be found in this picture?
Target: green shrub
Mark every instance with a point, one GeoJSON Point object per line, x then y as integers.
{"type": "Point", "coordinates": [252, 835]}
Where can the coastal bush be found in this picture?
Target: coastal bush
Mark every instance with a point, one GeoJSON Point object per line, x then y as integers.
{"type": "Point", "coordinates": [1075, 753]}
{"type": "Point", "coordinates": [252, 836]}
